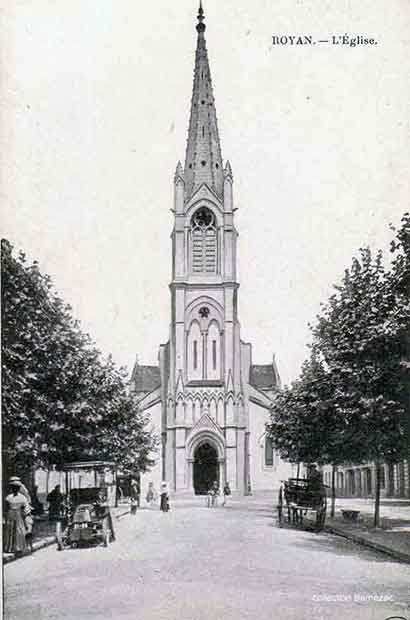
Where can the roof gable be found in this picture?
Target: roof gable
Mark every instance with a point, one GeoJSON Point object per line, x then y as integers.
{"type": "Point", "coordinates": [263, 377]}
{"type": "Point", "coordinates": [145, 378]}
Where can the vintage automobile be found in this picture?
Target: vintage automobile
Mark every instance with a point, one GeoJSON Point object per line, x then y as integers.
{"type": "Point", "coordinates": [85, 523]}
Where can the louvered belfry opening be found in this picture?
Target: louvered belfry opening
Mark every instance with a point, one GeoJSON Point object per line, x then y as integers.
{"type": "Point", "coordinates": [203, 241]}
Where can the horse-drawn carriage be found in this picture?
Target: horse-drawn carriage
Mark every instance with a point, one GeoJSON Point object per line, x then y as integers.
{"type": "Point", "coordinates": [298, 497]}
{"type": "Point", "coordinates": [86, 520]}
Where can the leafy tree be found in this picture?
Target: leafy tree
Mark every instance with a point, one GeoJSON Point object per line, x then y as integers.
{"type": "Point", "coordinates": [400, 247]}
{"type": "Point", "coordinates": [400, 319]}
{"type": "Point", "coordinates": [61, 400]}
{"type": "Point", "coordinates": [351, 402]}
{"type": "Point", "coordinates": [353, 335]}
{"type": "Point", "coordinates": [298, 412]}
{"type": "Point", "coordinates": [309, 421]}
{"type": "Point", "coordinates": [33, 322]}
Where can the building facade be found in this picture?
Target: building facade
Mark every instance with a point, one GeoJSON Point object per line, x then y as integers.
{"type": "Point", "coordinates": [206, 398]}
{"type": "Point", "coordinates": [355, 480]}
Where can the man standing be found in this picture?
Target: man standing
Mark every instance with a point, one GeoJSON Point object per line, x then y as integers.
{"type": "Point", "coordinates": [226, 492]}
{"type": "Point", "coordinates": [314, 478]}
{"type": "Point", "coordinates": [55, 499]}
{"type": "Point", "coordinates": [135, 496]}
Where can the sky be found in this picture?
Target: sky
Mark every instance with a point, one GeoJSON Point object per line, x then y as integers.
{"type": "Point", "coordinates": [94, 113]}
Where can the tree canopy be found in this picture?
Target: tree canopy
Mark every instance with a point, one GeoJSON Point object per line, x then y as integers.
{"type": "Point", "coordinates": [350, 402]}
{"type": "Point", "coordinates": [61, 400]}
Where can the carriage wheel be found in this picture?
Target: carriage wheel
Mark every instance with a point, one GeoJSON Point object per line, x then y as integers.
{"type": "Point", "coordinates": [74, 545]}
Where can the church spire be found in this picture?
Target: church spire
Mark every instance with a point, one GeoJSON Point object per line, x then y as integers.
{"type": "Point", "coordinates": [203, 160]}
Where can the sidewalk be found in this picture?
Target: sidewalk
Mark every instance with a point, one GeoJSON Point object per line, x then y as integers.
{"type": "Point", "coordinates": [392, 538]}
{"type": "Point", "coordinates": [44, 533]}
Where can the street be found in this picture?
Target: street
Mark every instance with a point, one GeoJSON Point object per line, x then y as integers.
{"type": "Point", "coordinates": [198, 563]}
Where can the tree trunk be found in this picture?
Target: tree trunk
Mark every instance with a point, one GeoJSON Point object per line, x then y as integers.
{"type": "Point", "coordinates": [297, 473]}
{"type": "Point", "coordinates": [332, 509]}
{"type": "Point", "coordinates": [376, 521]}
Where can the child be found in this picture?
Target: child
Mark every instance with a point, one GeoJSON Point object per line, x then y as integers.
{"type": "Point", "coordinates": [226, 492]}
{"type": "Point", "coordinates": [215, 493]}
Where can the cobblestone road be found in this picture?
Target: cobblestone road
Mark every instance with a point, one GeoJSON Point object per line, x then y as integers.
{"type": "Point", "coordinates": [197, 563]}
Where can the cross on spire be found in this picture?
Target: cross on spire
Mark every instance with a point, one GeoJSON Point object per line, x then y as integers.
{"type": "Point", "coordinates": [200, 27]}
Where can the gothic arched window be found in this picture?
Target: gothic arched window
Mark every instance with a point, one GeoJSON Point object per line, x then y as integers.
{"type": "Point", "coordinates": [204, 349]}
{"type": "Point", "coordinates": [213, 352]}
{"type": "Point", "coordinates": [195, 355]}
{"type": "Point", "coordinates": [203, 241]}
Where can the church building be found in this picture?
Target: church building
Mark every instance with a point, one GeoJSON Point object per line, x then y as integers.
{"type": "Point", "coordinates": [206, 398]}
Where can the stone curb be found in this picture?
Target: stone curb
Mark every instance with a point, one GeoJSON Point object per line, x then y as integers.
{"type": "Point", "coordinates": [360, 540]}
{"type": "Point", "coordinates": [40, 544]}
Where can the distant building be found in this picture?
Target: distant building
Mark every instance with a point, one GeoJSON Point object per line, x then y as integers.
{"type": "Point", "coordinates": [355, 480]}
{"type": "Point", "coordinates": [207, 399]}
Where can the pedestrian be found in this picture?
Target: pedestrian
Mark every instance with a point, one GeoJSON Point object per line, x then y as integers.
{"type": "Point", "coordinates": [17, 511]}
{"type": "Point", "coordinates": [55, 498]}
{"type": "Point", "coordinates": [38, 507]}
{"type": "Point", "coordinates": [209, 496]}
{"type": "Point", "coordinates": [151, 493]}
{"type": "Point", "coordinates": [164, 505]}
{"type": "Point", "coordinates": [215, 493]}
{"type": "Point", "coordinates": [138, 493]}
{"type": "Point", "coordinates": [314, 478]}
{"type": "Point", "coordinates": [103, 512]}
{"type": "Point", "coordinates": [133, 509]}
{"type": "Point", "coordinates": [135, 496]}
{"type": "Point", "coordinates": [226, 492]}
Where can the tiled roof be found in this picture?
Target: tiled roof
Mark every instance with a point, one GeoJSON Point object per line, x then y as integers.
{"type": "Point", "coordinates": [145, 378]}
{"type": "Point", "coordinates": [263, 377]}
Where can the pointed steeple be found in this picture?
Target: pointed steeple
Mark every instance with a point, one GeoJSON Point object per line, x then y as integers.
{"type": "Point", "coordinates": [203, 160]}
{"type": "Point", "coordinates": [179, 173]}
{"type": "Point", "coordinates": [229, 383]}
{"type": "Point", "coordinates": [179, 388]}
{"type": "Point", "coordinates": [228, 169]}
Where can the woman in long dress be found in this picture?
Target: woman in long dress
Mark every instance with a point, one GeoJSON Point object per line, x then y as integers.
{"type": "Point", "coordinates": [17, 509]}
{"type": "Point", "coordinates": [164, 497]}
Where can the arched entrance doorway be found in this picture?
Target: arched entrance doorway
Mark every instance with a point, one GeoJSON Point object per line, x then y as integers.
{"type": "Point", "coordinates": [206, 468]}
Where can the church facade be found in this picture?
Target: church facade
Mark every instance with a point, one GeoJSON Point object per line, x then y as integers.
{"type": "Point", "coordinates": [206, 398]}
